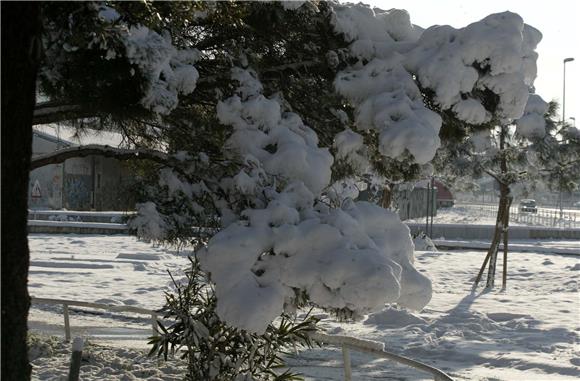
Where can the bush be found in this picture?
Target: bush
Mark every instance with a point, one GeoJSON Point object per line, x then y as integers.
{"type": "Point", "coordinates": [216, 351]}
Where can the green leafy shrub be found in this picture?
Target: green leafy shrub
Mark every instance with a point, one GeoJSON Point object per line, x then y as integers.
{"type": "Point", "coordinates": [216, 351]}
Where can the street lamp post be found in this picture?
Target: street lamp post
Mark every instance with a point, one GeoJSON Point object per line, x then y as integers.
{"type": "Point", "coordinates": [569, 59]}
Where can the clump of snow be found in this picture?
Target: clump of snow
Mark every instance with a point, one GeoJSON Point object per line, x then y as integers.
{"type": "Point", "coordinates": [169, 179]}
{"type": "Point", "coordinates": [384, 93]}
{"type": "Point", "coordinates": [447, 61]}
{"type": "Point", "coordinates": [398, 24]}
{"type": "Point", "coordinates": [343, 190]}
{"type": "Point", "coordinates": [392, 317]}
{"type": "Point", "coordinates": [533, 123]}
{"type": "Point", "coordinates": [278, 142]}
{"type": "Point", "coordinates": [388, 101]}
{"type": "Point", "coordinates": [471, 111]}
{"type": "Point", "coordinates": [357, 258]}
{"type": "Point", "coordinates": [108, 14]}
{"type": "Point", "coordinates": [496, 54]}
{"type": "Point", "coordinates": [351, 148]}
{"type": "Point", "coordinates": [423, 243]}
{"type": "Point", "coordinates": [148, 222]}
{"type": "Point", "coordinates": [358, 22]}
{"type": "Point", "coordinates": [168, 71]}
{"type": "Point", "coordinates": [373, 27]}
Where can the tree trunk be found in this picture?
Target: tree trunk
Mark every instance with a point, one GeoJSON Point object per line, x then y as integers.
{"type": "Point", "coordinates": [506, 225]}
{"type": "Point", "coordinates": [500, 230]}
{"type": "Point", "coordinates": [387, 197]}
{"type": "Point", "coordinates": [20, 57]}
{"type": "Point", "coordinates": [494, 247]}
{"type": "Point", "coordinates": [501, 222]}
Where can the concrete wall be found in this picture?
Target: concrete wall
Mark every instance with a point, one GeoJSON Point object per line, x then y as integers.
{"type": "Point", "coordinates": [45, 187]}
{"type": "Point", "coordinates": [78, 184]}
{"type": "Point", "coordinates": [112, 182]}
{"type": "Point", "coordinates": [46, 183]}
{"type": "Point", "coordinates": [86, 183]}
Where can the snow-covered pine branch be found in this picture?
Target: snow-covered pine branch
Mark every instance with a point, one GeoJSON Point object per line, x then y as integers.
{"type": "Point", "coordinates": [54, 112]}
{"type": "Point", "coordinates": [61, 155]}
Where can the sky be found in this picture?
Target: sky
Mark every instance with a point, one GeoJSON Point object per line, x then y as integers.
{"type": "Point", "coordinates": [558, 20]}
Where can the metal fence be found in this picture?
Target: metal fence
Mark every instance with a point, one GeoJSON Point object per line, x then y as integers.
{"type": "Point", "coordinates": [65, 311]}
{"type": "Point", "coordinates": [347, 343]}
{"type": "Point", "coordinates": [376, 349]}
{"type": "Point", "coordinates": [543, 217]}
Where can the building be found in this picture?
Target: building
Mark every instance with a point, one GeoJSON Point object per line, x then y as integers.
{"type": "Point", "coordinates": [409, 200]}
{"type": "Point", "coordinates": [415, 200]}
{"type": "Point", "coordinates": [445, 198]}
{"type": "Point", "coordinates": [88, 183]}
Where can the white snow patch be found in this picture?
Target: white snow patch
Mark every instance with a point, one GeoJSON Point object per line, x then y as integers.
{"type": "Point", "coordinates": [533, 123]}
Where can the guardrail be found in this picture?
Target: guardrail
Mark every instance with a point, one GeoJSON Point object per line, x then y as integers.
{"type": "Point", "coordinates": [347, 343]}
{"type": "Point", "coordinates": [67, 303]}
{"type": "Point", "coordinates": [377, 349]}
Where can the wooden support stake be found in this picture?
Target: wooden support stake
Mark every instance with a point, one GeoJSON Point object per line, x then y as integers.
{"type": "Point", "coordinates": [347, 367]}
{"type": "Point", "coordinates": [154, 324]}
{"type": "Point", "coordinates": [66, 323]}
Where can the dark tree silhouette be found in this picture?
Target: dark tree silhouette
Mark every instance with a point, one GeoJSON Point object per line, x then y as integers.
{"type": "Point", "coordinates": [20, 57]}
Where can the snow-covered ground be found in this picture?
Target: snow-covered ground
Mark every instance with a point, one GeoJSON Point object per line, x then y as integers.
{"type": "Point", "coordinates": [50, 358]}
{"type": "Point", "coordinates": [529, 332]}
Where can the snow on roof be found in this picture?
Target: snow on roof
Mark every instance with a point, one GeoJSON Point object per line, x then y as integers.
{"type": "Point", "coordinates": [70, 136]}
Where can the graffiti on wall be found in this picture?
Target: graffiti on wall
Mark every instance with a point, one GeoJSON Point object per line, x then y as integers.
{"type": "Point", "coordinates": [77, 190]}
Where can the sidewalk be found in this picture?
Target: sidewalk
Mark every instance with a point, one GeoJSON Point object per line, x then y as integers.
{"type": "Point", "coordinates": [564, 247]}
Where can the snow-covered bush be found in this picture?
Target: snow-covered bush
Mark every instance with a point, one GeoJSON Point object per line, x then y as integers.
{"type": "Point", "coordinates": [423, 243]}
{"type": "Point", "coordinates": [216, 350]}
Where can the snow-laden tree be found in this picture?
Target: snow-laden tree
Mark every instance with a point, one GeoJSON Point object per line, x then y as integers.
{"type": "Point", "coordinates": [533, 149]}
{"type": "Point", "coordinates": [258, 108]}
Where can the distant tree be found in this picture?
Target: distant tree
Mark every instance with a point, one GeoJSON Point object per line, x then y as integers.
{"type": "Point", "coordinates": [533, 149]}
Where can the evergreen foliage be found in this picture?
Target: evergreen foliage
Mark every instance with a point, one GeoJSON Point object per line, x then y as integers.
{"type": "Point", "coordinates": [215, 350]}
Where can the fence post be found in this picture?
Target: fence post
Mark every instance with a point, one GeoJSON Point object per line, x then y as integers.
{"type": "Point", "coordinates": [75, 361]}
{"type": "Point", "coordinates": [66, 322]}
{"type": "Point", "coordinates": [346, 359]}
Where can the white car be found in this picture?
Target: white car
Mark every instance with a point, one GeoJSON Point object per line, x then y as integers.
{"type": "Point", "coordinates": [528, 206]}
